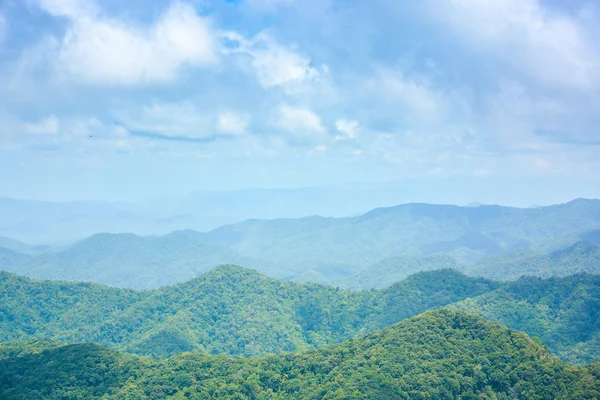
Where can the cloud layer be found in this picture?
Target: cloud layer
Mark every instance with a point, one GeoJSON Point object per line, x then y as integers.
{"type": "Point", "coordinates": [377, 89]}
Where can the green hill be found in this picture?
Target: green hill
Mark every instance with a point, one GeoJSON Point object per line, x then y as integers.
{"type": "Point", "coordinates": [237, 311]}
{"type": "Point", "coordinates": [228, 310]}
{"type": "Point", "coordinates": [436, 355]}
{"type": "Point", "coordinates": [563, 312]}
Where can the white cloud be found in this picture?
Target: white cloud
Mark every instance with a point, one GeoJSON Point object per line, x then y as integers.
{"type": "Point", "coordinates": [276, 65]}
{"type": "Point", "coordinates": [47, 126]}
{"type": "Point", "coordinates": [230, 123]}
{"type": "Point", "coordinates": [299, 120]}
{"type": "Point", "coordinates": [182, 120]}
{"type": "Point", "coordinates": [548, 46]}
{"type": "Point", "coordinates": [102, 50]}
{"type": "Point", "coordinates": [347, 129]}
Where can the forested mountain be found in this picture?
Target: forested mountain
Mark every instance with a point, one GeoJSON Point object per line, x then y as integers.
{"type": "Point", "coordinates": [227, 310]}
{"type": "Point", "coordinates": [238, 311]}
{"type": "Point", "coordinates": [563, 312]}
{"type": "Point", "coordinates": [577, 258]}
{"type": "Point", "coordinates": [127, 260]}
{"type": "Point", "coordinates": [580, 257]}
{"type": "Point", "coordinates": [393, 242]}
{"type": "Point", "coordinates": [437, 355]}
{"type": "Point", "coordinates": [333, 248]}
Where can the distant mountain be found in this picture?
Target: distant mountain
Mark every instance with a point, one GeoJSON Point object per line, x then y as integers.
{"type": "Point", "coordinates": [59, 223]}
{"type": "Point", "coordinates": [330, 249]}
{"type": "Point", "coordinates": [437, 355]}
{"type": "Point", "coordinates": [10, 257]}
{"type": "Point", "coordinates": [475, 204]}
{"type": "Point", "coordinates": [563, 312]}
{"type": "Point", "coordinates": [394, 269]}
{"type": "Point", "coordinates": [21, 247]}
{"type": "Point", "coordinates": [52, 222]}
{"type": "Point", "coordinates": [127, 260]}
{"type": "Point", "coordinates": [573, 259]}
{"type": "Point", "coordinates": [228, 310]}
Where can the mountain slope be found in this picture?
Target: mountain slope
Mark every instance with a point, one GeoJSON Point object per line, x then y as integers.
{"type": "Point", "coordinates": [127, 260]}
{"type": "Point", "coordinates": [227, 310]}
{"type": "Point", "coordinates": [319, 249]}
{"type": "Point", "coordinates": [10, 257]}
{"type": "Point", "coordinates": [394, 269]}
{"type": "Point", "coordinates": [237, 311]}
{"type": "Point", "coordinates": [581, 257]}
{"type": "Point", "coordinates": [563, 312]}
{"type": "Point", "coordinates": [19, 247]}
{"type": "Point", "coordinates": [439, 354]}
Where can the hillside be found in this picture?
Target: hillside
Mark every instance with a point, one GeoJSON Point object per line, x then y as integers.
{"type": "Point", "coordinates": [563, 312]}
{"type": "Point", "coordinates": [237, 311]}
{"type": "Point", "coordinates": [19, 247]}
{"type": "Point", "coordinates": [394, 269]}
{"type": "Point", "coordinates": [228, 310]}
{"type": "Point", "coordinates": [439, 354]}
{"type": "Point", "coordinates": [127, 260]}
{"type": "Point", "coordinates": [581, 257]}
{"type": "Point", "coordinates": [329, 249]}
{"type": "Point", "coordinates": [11, 257]}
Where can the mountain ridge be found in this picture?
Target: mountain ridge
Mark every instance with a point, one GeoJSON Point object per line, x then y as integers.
{"type": "Point", "coordinates": [437, 354]}
{"type": "Point", "coordinates": [238, 311]}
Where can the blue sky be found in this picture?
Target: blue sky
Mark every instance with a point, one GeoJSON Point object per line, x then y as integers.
{"type": "Point", "coordinates": [120, 100]}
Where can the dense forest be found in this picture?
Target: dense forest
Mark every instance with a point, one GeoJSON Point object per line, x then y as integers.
{"type": "Point", "coordinates": [437, 355]}
{"type": "Point", "coordinates": [237, 311]}
{"type": "Point", "coordinates": [563, 312]}
{"type": "Point", "coordinates": [229, 310]}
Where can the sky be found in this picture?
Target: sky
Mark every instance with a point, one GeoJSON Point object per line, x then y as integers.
{"type": "Point", "coordinates": [122, 100]}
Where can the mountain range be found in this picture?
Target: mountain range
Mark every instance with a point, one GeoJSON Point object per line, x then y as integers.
{"type": "Point", "coordinates": [240, 312]}
{"type": "Point", "coordinates": [411, 301]}
{"type": "Point", "coordinates": [367, 251]}
{"type": "Point", "coordinates": [63, 222]}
